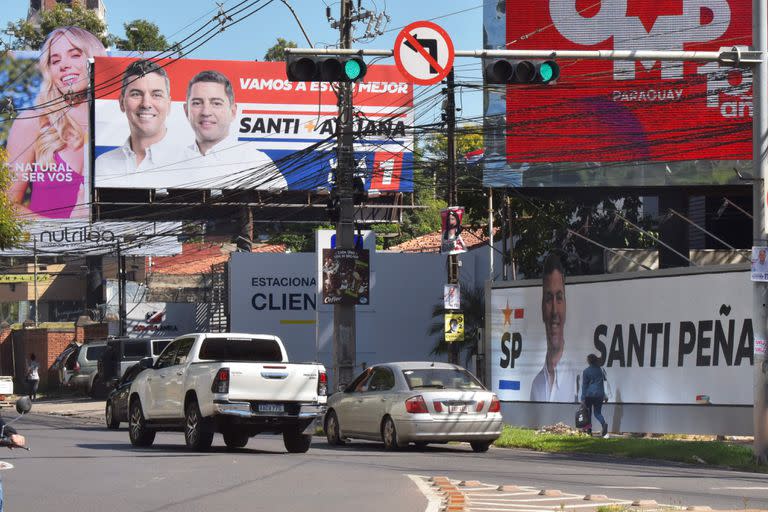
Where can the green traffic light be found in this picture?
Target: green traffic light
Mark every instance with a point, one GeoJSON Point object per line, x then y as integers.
{"type": "Point", "coordinates": [352, 69]}
{"type": "Point", "coordinates": [546, 72]}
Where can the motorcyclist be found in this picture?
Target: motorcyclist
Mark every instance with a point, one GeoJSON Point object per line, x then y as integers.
{"type": "Point", "coordinates": [14, 438]}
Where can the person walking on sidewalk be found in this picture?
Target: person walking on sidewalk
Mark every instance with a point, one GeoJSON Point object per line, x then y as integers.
{"type": "Point", "coordinates": [33, 376]}
{"type": "Point", "coordinates": [593, 392]}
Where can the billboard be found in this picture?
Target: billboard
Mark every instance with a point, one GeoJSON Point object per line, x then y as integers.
{"type": "Point", "coordinates": [603, 115]}
{"type": "Point", "coordinates": [203, 124]}
{"type": "Point", "coordinates": [45, 96]}
{"type": "Point", "coordinates": [656, 344]}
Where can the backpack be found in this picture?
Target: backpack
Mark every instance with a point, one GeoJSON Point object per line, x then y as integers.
{"type": "Point", "coordinates": [583, 417]}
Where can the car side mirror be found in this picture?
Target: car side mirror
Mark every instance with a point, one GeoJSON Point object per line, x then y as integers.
{"type": "Point", "coordinates": [147, 362]}
{"type": "Point", "coordinates": [23, 405]}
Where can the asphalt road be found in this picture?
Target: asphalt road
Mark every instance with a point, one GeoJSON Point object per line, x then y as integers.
{"type": "Point", "coordinates": [76, 466]}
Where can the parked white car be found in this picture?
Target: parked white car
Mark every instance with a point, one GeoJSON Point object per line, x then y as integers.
{"type": "Point", "coordinates": [415, 402]}
{"type": "Point", "coordinates": [236, 384]}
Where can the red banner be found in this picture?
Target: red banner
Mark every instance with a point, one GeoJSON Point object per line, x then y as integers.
{"type": "Point", "coordinates": [607, 111]}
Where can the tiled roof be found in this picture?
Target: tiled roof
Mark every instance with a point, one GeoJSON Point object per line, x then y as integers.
{"type": "Point", "coordinates": [197, 258]}
{"type": "Point", "coordinates": [473, 238]}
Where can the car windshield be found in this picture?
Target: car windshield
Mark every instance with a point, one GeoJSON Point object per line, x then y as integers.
{"type": "Point", "coordinates": [441, 378]}
{"type": "Point", "coordinates": [241, 349]}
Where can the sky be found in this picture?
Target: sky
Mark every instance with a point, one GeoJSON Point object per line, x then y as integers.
{"type": "Point", "coordinates": [249, 39]}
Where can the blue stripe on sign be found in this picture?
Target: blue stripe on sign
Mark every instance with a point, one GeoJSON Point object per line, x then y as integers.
{"type": "Point", "coordinates": [514, 385]}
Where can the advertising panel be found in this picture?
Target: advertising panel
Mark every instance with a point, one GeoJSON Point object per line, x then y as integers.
{"type": "Point", "coordinates": [346, 276]}
{"type": "Point", "coordinates": [45, 96]}
{"type": "Point", "coordinates": [233, 125]}
{"type": "Point", "coordinates": [162, 319]}
{"type": "Point", "coordinates": [656, 344]}
{"type": "Point", "coordinates": [618, 123]}
{"type": "Point", "coordinates": [71, 238]}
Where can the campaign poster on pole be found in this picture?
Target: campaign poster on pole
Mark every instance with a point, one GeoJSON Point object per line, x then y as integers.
{"type": "Point", "coordinates": [451, 241]}
{"type": "Point", "coordinates": [452, 296]}
{"type": "Point", "coordinates": [759, 267]}
{"type": "Point", "coordinates": [346, 276]}
{"type": "Point", "coordinates": [454, 327]}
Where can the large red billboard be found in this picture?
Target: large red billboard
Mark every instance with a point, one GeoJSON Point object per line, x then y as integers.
{"type": "Point", "coordinates": [610, 111]}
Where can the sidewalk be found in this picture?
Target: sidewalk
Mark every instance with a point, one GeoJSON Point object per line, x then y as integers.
{"type": "Point", "coordinates": [80, 407]}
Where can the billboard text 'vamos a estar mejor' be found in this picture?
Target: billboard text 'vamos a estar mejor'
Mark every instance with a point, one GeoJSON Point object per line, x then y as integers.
{"type": "Point", "coordinates": [263, 133]}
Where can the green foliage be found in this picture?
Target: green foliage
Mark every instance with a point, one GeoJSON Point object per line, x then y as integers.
{"type": "Point", "coordinates": [714, 453]}
{"type": "Point", "coordinates": [26, 36]}
{"type": "Point", "coordinates": [143, 35]}
{"type": "Point", "coordinates": [11, 229]}
{"type": "Point", "coordinates": [277, 52]}
{"type": "Point", "coordinates": [19, 81]}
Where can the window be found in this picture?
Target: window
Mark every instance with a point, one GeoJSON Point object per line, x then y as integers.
{"type": "Point", "coordinates": [359, 383]}
{"type": "Point", "coordinates": [135, 349]}
{"type": "Point", "coordinates": [183, 351]}
{"type": "Point", "coordinates": [253, 350]}
{"type": "Point", "coordinates": [94, 353]}
{"type": "Point", "coordinates": [158, 346]}
{"type": "Point", "coordinates": [34, 4]}
{"type": "Point", "coordinates": [167, 357]}
{"type": "Point", "coordinates": [382, 380]}
{"type": "Point", "coordinates": [441, 378]}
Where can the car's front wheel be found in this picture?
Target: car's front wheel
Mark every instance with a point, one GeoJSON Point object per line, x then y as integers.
{"type": "Point", "coordinates": [109, 416]}
{"type": "Point", "coordinates": [138, 432]}
{"type": "Point", "coordinates": [333, 430]}
{"type": "Point", "coordinates": [196, 432]}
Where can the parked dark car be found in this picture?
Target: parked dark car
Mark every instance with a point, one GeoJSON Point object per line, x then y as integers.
{"type": "Point", "coordinates": [122, 353]}
{"type": "Point", "coordinates": [116, 410]}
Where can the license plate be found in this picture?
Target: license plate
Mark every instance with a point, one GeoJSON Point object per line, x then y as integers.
{"type": "Point", "coordinates": [271, 408]}
{"type": "Point", "coordinates": [457, 408]}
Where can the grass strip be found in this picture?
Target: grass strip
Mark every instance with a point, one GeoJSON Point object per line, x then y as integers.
{"type": "Point", "coordinates": [712, 453]}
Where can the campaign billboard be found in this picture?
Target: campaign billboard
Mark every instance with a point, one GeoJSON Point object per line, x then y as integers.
{"type": "Point", "coordinates": [46, 129]}
{"type": "Point", "coordinates": [656, 345]}
{"type": "Point", "coordinates": [212, 124]}
{"type": "Point", "coordinates": [620, 122]}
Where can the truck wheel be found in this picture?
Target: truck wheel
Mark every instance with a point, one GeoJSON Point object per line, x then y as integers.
{"type": "Point", "coordinates": [235, 439]}
{"type": "Point", "coordinates": [109, 416]}
{"type": "Point", "coordinates": [332, 430]}
{"type": "Point", "coordinates": [138, 432]}
{"type": "Point", "coordinates": [389, 435]}
{"type": "Point", "coordinates": [196, 432]}
{"type": "Point", "coordinates": [295, 441]}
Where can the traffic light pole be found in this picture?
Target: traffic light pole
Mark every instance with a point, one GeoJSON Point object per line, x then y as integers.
{"type": "Point", "coordinates": [756, 58]}
{"type": "Point", "coordinates": [344, 335]}
{"type": "Point", "coordinates": [450, 119]}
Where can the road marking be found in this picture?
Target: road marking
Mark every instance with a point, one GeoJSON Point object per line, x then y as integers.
{"type": "Point", "coordinates": [639, 487]}
{"type": "Point", "coordinates": [741, 488]}
{"type": "Point", "coordinates": [434, 500]}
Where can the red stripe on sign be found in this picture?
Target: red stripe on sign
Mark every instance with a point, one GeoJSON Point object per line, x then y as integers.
{"type": "Point", "coordinates": [519, 313]}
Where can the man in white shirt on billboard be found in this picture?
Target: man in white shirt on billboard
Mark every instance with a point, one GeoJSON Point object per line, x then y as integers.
{"type": "Point", "coordinates": [556, 382]}
{"type": "Point", "coordinates": [145, 99]}
{"type": "Point", "coordinates": [217, 160]}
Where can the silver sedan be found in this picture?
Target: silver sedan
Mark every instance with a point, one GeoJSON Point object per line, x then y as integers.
{"type": "Point", "coordinates": [419, 402]}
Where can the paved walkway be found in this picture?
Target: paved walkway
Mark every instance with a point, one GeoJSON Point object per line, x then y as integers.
{"type": "Point", "coordinates": [88, 409]}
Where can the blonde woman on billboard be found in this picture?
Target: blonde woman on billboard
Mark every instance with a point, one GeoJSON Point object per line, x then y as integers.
{"type": "Point", "coordinates": [46, 144]}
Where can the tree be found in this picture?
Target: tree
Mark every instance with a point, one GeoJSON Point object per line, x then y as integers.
{"type": "Point", "coordinates": [25, 36]}
{"type": "Point", "coordinates": [144, 36]}
{"type": "Point", "coordinates": [11, 229]}
{"type": "Point", "coordinates": [277, 52]}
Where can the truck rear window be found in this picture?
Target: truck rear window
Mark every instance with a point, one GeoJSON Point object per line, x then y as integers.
{"type": "Point", "coordinates": [136, 350]}
{"type": "Point", "coordinates": [254, 350]}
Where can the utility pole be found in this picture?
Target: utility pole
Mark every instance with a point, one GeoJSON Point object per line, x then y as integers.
{"type": "Point", "coordinates": [344, 335]}
{"type": "Point", "coordinates": [121, 314]}
{"type": "Point", "coordinates": [450, 119]}
{"type": "Point", "coordinates": [760, 172]}
{"type": "Point", "coordinates": [34, 249]}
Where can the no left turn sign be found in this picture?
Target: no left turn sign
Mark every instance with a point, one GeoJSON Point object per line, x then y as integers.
{"type": "Point", "coordinates": [424, 52]}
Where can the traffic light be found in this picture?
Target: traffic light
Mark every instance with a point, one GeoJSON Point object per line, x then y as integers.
{"type": "Point", "coordinates": [310, 68]}
{"type": "Point", "coordinates": [507, 71]}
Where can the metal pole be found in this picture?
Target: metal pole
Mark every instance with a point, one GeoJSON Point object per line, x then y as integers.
{"type": "Point", "coordinates": [34, 249]}
{"type": "Point", "coordinates": [120, 292]}
{"type": "Point", "coordinates": [760, 171]}
{"type": "Point", "coordinates": [344, 342]}
{"type": "Point", "coordinates": [453, 259]}
{"type": "Point", "coordinates": [490, 234]}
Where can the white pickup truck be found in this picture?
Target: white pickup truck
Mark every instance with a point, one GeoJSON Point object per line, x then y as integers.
{"type": "Point", "coordinates": [236, 384]}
